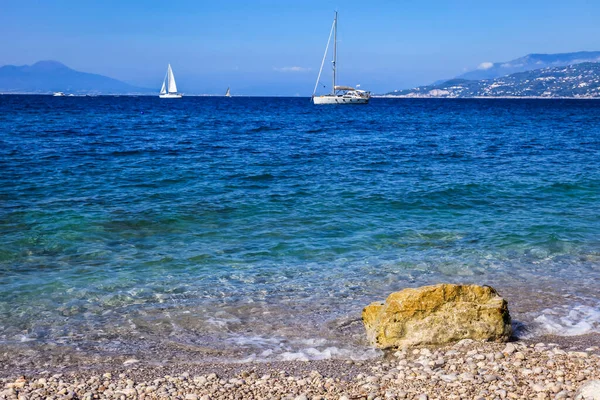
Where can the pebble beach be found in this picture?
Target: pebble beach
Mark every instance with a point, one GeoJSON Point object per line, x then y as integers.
{"type": "Point", "coordinates": [465, 370]}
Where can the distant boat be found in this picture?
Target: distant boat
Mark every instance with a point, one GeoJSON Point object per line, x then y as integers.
{"type": "Point", "coordinates": [58, 94]}
{"type": "Point", "coordinates": [169, 88]}
{"type": "Point", "coordinates": [339, 94]}
{"type": "Point", "coordinates": [227, 93]}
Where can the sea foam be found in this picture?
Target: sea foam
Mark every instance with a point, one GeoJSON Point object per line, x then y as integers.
{"type": "Point", "coordinates": [567, 321]}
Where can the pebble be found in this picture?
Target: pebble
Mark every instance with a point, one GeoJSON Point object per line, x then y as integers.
{"type": "Point", "coordinates": [589, 391]}
{"type": "Point", "coordinates": [449, 378]}
{"type": "Point", "coordinates": [509, 349]}
{"type": "Point", "coordinates": [538, 387]}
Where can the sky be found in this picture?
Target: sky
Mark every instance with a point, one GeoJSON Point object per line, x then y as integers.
{"type": "Point", "coordinates": [275, 47]}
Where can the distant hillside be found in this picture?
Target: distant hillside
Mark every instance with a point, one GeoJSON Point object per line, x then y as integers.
{"type": "Point", "coordinates": [52, 76]}
{"type": "Point", "coordinates": [528, 63]}
{"type": "Point", "coordinates": [579, 80]}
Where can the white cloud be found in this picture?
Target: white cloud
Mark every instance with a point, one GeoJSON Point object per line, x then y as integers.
{"type": "Point", "coordinates": [291, 69]}
{"type": "Point", "coordinates": [485, 65]}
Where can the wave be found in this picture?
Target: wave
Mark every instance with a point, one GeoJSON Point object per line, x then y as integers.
{"type": "Point", "coordinates": [569, 187]}
{"type": "Point", "coordinates": [274, 349]}
{"type": "Point", "coordinates": [262, 128]}
{"type": "Point", "coordinates": [259, 177]}
{"type": "Point", "coordinates": [563, 321]}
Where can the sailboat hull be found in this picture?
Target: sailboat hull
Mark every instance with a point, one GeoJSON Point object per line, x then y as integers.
{"type": "Point", "coordinates": [170, 96]}
{"type": "Point", "coordinates": [339, 100]}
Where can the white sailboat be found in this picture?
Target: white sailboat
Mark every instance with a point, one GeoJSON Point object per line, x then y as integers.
{"type": "Point", "coordinates": [339, 94]}
{"type": "Point", "coordinates": [58, 94]}
{"type": "Point", "coordinates": [227, 93]}
{"type": "Point", "coordinates": [169, 87]}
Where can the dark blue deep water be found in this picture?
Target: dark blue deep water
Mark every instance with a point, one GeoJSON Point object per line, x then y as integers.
{"type": "Point", "coordinates": [260, 227]}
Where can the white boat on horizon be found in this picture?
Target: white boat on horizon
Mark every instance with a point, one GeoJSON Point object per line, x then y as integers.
{"type": "Point", "coordinates": [169, 87]}
{"type": "Point", "coordinates": [227, 93]}
{"type": "Point", "coordinates": [58, 94]}
{"type": "Point", "coordinates": [339, 94]}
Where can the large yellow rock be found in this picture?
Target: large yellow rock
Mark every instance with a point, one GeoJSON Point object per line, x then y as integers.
{"type": "Point", "coordinates": [437, 314]}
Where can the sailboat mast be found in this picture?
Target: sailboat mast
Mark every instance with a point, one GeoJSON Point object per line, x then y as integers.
{"type": "Point", "coordinates": [324, 58]}
{"type": "Point", "coordinates": [334, 51]}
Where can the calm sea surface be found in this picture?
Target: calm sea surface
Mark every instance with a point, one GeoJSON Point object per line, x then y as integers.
{"type": "Point", "coordinates": [258, 228]}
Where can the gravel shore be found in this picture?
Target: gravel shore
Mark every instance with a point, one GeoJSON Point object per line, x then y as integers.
{"type": "Point", "coordinates": [466, 370]}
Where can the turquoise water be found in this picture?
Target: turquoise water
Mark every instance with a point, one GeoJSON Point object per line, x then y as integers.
{"type": "Point", "coordinates": [258, 228]}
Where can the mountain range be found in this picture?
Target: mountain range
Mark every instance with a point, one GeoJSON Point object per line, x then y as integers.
{"type": "Point", "coordinates": [530, 62]}
{"type": "Point", "coordinates": [577, 80]}
{"type": "Point", "coordinates": [53, 76]}
{"type": "Point", "coordinates": [488, 70]}
{"type": "Point", "coordinates": [540, 75]}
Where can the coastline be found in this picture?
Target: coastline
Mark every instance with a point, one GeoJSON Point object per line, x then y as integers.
{"type": "Point", "coordinates": [520, 369]}
{"type": "Point", "coordinates": [489, 97]}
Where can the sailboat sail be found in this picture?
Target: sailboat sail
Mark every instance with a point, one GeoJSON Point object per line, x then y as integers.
{"type": "Point", "coordinates": [172, 85]}
{"type": "Point", "coordinates": [227, 93]}
{"type": "Point", "coordinates": [169, 87]}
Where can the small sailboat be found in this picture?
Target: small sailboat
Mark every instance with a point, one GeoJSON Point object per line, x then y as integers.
{"type": "Point", "coordinates": [169, 87]}
{"type": "Point", "coordinates": [227, 93]}
{"type": "Point", "coordinates": [58, 94]}
{"type": "Point", "coordinates": [339, 94]}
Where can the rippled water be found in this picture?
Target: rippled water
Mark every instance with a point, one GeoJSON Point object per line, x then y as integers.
{"type": "Point", "coordinates": [258, 228]}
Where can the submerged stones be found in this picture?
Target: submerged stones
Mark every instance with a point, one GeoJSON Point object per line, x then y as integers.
{"type": "Point", "coordinates": [437, 314]}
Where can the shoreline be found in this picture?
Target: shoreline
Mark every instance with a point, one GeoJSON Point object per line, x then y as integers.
{"type": "Point", "coordinates": [556, 367]}
{"type": "Point", "coordinates": [489, 97]}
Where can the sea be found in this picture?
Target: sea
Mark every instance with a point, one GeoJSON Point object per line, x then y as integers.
{"type": "Point", "coordinates": [257, 229]}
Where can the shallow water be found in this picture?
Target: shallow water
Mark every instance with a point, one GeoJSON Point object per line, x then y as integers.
{"type": "Point", "coordinates": [258, 228]}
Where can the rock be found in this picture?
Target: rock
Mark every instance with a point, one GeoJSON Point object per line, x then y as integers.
{"type": "Point", "coordinates": [437, 314]}
{"type": "Point", "coordinates": [589, 391]}
{"type": "Point", "coordinates": [131, 361]}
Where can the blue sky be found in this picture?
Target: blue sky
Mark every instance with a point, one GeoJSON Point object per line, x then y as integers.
{"type": "Point", "coordinates": [275, 47]}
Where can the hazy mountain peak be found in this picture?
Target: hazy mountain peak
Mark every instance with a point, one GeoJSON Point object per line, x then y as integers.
{"type": "Point", "coordinates": [491, 70]}
{"type": "Point", "coordinates": [52, 76]}
{"type": "Point", "coordinates": [49, 65]}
